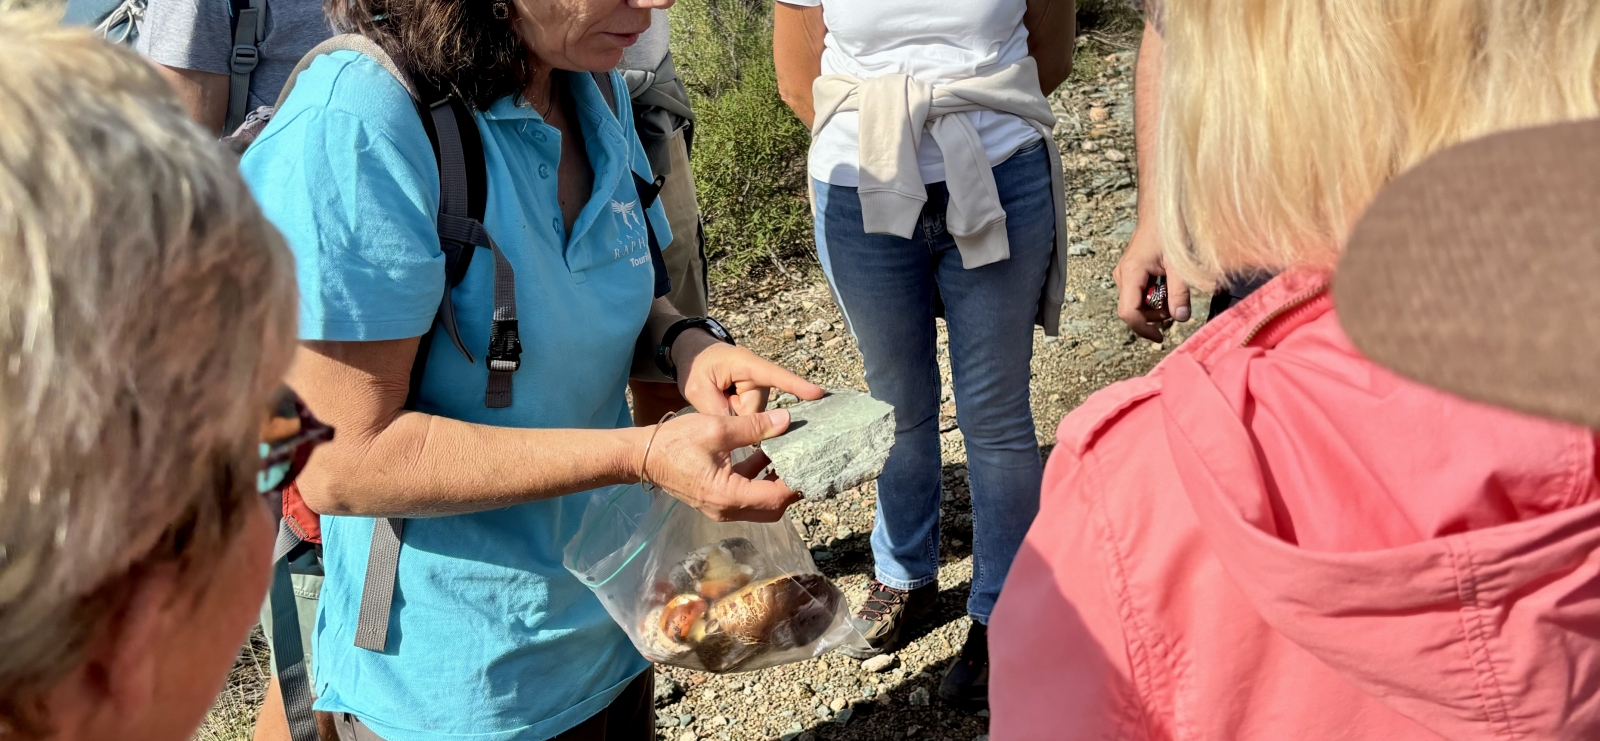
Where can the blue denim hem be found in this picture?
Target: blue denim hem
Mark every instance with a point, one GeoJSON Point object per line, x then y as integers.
{"type": "Point", "coordinates": [905, 585]}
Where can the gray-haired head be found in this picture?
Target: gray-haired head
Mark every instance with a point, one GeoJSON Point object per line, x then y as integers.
{"type": "Point", "coordinates": [147, 312]}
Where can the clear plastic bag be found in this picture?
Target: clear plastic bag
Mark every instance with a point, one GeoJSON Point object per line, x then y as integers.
{"type": "Point", "coordinates": [706, 595]}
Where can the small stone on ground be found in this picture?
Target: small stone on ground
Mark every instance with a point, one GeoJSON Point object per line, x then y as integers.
{"type": "Point", "coordinates": [878, 663]}
{"type": "Point", "coordinates": [667, 690]}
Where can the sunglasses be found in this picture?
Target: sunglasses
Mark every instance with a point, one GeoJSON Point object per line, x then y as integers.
{"type": "Point", "coordinates": [287, 439]}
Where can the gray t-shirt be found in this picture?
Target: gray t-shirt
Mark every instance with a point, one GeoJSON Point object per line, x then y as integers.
{"type": "Point", "coordinates": [646, 54]}
{"type": "Point", "coordinates": [198, 35]}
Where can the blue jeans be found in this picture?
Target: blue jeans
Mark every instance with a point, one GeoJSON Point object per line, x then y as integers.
{"type": "Point", "coordinates": [886, 286]}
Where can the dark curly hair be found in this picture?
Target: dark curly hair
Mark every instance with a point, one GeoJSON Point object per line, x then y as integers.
{"type": "Point", "coordinates": [452, 45]}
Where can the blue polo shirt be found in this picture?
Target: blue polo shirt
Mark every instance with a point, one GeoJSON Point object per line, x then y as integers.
{"type": "Point", "coordinates": [490, 638]}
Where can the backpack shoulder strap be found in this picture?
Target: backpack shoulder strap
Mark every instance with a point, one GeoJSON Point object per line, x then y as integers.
{"type": "Point", "coordinates": [288, 651]}
{"type": "Point", "coordinates": [249, 26]}
{"type": "Point", "coordinates": [458, 150]}
{"type": "Point", "coordinates": [463, 198]}
{"type": "Point", "coordinates": [347, 42]}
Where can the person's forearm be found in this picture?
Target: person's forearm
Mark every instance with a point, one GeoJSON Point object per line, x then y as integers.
{"type": "Point", "coordinates": [426, 466]}
{"type": "Point", "coordinates": [1146, 113]}
{"type": "Point", "coordinates": [797, 43]}
{"type": "Point", "coordinates": [203, 94]}
{"type": "Point", "coordinates": [410, 464]}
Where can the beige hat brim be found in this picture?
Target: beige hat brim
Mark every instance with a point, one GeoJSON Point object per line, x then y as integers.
{"type": "Point", "coordinates": [1475, 272]}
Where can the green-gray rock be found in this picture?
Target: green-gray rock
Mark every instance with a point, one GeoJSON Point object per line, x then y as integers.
{"type": "Point", "coordinates": [835, 443]}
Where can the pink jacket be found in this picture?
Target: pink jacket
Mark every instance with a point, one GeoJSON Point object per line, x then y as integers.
{"type": "Point", "coordinates": [1270, 537]}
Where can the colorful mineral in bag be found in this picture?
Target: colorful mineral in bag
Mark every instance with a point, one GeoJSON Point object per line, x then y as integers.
{"type": "Point", "coordinates": [700, 594]}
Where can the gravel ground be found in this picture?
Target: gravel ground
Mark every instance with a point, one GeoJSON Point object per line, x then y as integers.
{"type": "Point", "coordinates": [790, 317]}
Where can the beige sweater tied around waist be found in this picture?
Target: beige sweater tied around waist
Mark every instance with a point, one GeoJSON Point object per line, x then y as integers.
{"type": "Point", "coordinates": [897, 110]}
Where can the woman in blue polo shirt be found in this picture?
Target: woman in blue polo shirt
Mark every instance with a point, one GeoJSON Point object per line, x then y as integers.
{"type": "Point", "coordinates": [488, 637]}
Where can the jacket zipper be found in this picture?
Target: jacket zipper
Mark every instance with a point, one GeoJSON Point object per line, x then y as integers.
{"type": "Point", "coordinates": [1284, 311]}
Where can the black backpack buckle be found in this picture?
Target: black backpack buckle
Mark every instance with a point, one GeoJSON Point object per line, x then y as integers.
{"type": "Point", "coordinates": [505, 347]}
{"type": "Point", "coordinates": [244, 59]}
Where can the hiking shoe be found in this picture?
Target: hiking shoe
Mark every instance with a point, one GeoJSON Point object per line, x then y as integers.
{"type": "Point", "coordinates": [966, 682]}
{"type": "Point", "coordinates": [883, 617]}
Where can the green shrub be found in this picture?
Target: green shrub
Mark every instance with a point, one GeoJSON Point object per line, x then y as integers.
{"type": "Point", "coordinates": [749, 149]}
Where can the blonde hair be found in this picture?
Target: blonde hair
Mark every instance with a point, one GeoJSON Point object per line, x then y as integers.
{"type": "Point", "coordinates": [1280, 119]}
{"type": "Point", "coordinates": [147, 315]}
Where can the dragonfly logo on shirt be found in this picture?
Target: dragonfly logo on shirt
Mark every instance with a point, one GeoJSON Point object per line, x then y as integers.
{"type": "Point", "coordinates": [628, 211]}
{"type": "Point", "coordinates": [632, 232]}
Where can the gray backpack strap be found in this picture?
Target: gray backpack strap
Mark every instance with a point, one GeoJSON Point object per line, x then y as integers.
{"type": "Point", "coordinates": [249, 26]}
{"type": "Point", "coordinates": [456, 225]}
{"type": "Point", "coordinates": [383, 559]}
{"type": "Point", "coordinates": [255, 122]}
{"type": "Point", "coordinates": [461, 231]}
{"type": "Point", "coordinates": [377, 591]}
{"type": "Point", "coordinates": [288, 655]}
{"type": "Point", "coordinates": [347, 42]}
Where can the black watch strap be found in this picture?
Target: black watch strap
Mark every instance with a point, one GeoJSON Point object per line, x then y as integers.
{"type": "Point", "coordinates": [664, 350]}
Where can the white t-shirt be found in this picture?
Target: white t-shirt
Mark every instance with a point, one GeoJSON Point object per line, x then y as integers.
{"type": "Point", "coordinates": [935, 41]}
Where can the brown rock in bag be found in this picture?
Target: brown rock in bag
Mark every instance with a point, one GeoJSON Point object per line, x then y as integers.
{"type": "Point", "coordinates": [781, 613]}
{"type": "Point", "coordinates": [720, 652]}
{"type": "Point", "coordinates": [716, 570]}
{"type": "Point", "coordinates": [679, 618]}
{"type": "Point", "coordinates": [715, 589]}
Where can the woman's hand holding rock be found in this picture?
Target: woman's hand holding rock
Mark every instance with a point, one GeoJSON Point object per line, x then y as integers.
{"type": "Point", "coordinates": [691, 458]}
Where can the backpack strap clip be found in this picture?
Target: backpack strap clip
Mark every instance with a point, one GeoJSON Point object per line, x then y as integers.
{"type": "Point", "coordinates": [505, 347]}
{"type": "Point", "coordinates": [459, 235]}
{"type": "Point", "coordinates": [245, 58]}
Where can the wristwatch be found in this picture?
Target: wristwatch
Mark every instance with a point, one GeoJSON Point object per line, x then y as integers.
{"type": "Point", "coordinates": [664, 350]}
